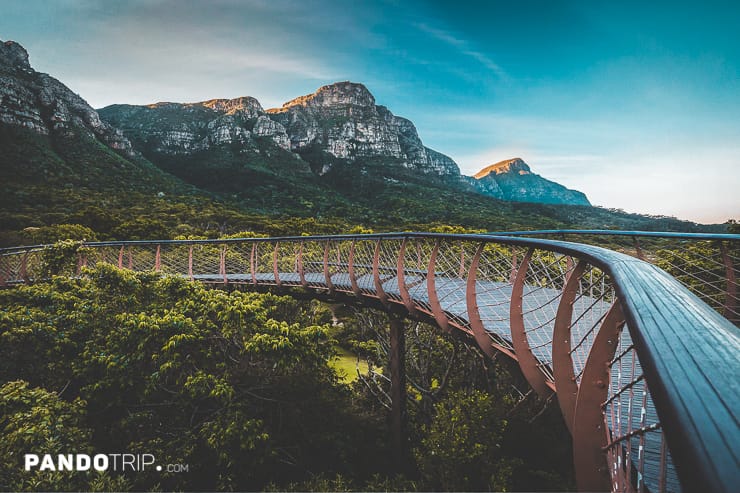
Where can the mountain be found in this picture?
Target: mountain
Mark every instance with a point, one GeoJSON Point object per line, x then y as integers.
{"type": "Point", "coordinates": [50, 136]}
{"type": "Point", "coordinates": [322, 163]}
{"type": "Point", "coordinates": [513, 180]}
{"type": "Point", "coordinates": [343, 121]}
{"type": "Point", "coordinates": [337, 133]}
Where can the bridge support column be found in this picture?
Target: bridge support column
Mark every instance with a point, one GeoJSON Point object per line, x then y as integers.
{"type": "Point", "coordinates": [398, 391]}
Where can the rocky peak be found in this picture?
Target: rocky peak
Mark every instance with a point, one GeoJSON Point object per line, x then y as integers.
{"type": "Point", "coordinates": [337, 94]}
{"type": "Point", "coordinates": [243, 105]}
{"type": "Point", "coordinates": [41, 103]}
{"type": "Point", "coordinates": [343, 121]}
{"type": "Point", "coordinates": [515, 165]}
{"type": "Point", "coordinates": [13, 54]}
{"type": "Point", "coordinates": [512, 179]}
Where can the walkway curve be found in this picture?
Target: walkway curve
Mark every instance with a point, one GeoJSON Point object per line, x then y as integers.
{"type": "Point", "coordinates": [508, 293]}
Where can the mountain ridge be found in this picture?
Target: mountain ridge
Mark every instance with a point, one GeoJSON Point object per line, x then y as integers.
{"type": "Point", "coordinates": [337, 122]}
{"type": "Point", "coordinates": [225, 164]}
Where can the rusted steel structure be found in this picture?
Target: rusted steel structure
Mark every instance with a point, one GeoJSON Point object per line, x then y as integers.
{"type": "Point", "coordinates": [645, 372]}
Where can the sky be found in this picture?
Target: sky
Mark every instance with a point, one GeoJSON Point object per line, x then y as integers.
{"type": "Point", "coordinates": [635, 103]}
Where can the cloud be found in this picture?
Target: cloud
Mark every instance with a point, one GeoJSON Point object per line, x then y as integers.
{"type": "Point", "coordinates": [464, 47]}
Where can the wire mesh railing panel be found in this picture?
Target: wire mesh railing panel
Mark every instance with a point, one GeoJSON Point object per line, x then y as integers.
{"type": "Point", "coordinates": [363, 266]}
{"type": "Point", "coordinates": [173, 259]}
{"type": "Point", "coordinates": [494, 281]}
{"type": "Point", "coordinates": [543, 287]}
{"type": "Point", "coordinates": [236, 258]}
{"type": "Point", "coordinates": [338, 265]}
{"type": "Point", "coordinates": [14, 267]}
{"type": "Point", "coordinates": [206, 261]}
{"type": "Point", "coordinates": [313, 263]}
{"type": "Point", "coordinates": [707, 268]}
{"type": "Point", "coordinates": [389, 250]}
{"type": "Point", "coordinates": [638, 458]}
{"type": "Point", "coordinates": [288, 262]}
{"type": "Point", "coordinates": [416, 258]}
{"type": "Point", "coordinates": [594, 297]}
{"type": "Point", "coordinates": [142, 258]}
{"type": "Point", "coordinates": [264, 257]}
{"type": "Point", "coordinates": [454, 259]}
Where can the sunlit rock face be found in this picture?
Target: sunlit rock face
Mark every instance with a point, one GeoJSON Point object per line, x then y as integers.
{"type": "Point", "coordinates": [43, 104]}
{"type": "Point", "coordinates": [512, 179]}
{"type": "Point", "coordinates": [186, 128]}
{"type": "Point", "coordinates": [343, 120]}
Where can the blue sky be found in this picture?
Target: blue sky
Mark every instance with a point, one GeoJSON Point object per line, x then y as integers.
{"type": "Point", "coordinates": [637, 104]}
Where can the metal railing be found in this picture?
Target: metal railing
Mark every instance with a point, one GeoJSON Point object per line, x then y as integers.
{"type": "Point", "coordinates": [645, 371]}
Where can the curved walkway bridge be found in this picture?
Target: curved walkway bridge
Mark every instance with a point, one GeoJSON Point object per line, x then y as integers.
{"type": "Point", "coordinates": [645, 365]}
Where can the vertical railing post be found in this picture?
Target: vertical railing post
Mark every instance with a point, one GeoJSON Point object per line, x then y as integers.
{"type": "Point", "coordinates": [398, 390]}
{"type": "Point", "coordinates": [301, 271]}
{"type": "Point", "coordinates": [120, 257]}
{"type": "Point", "coordinates": [157, 259]}
{"type": "Point", "coordinates": [190, 262]}
{"type": "Point", "coordinates": [275, 267]}
{"type": "Point", "coordinates": [222, 265]}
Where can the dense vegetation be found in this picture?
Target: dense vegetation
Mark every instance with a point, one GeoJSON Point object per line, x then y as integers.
{"type": "Point", "coordinates": [237, 386]}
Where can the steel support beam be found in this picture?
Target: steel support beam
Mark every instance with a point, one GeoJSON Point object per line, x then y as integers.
{"type": "Point", "coordinates": [471, 298]}
{"type": "Point", "coordinates": [562, 362]}
{"type": "Point", "coordinates": [590, 431]}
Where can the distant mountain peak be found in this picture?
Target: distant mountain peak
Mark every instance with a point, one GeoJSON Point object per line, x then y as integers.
{"type": "Point", "coordinates": [514, 165]}
{"type": "Point", "coordinates": [12, 53]}
{"type": "Point", "coordinates": [512, 179]}
{"type": "Point", "coordinates": [337, 94]}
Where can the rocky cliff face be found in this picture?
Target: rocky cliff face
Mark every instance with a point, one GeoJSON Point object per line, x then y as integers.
{"type": "Point", "coordinates": [43, 104]}
{"type": "Point", "coordinates": [513, 180]}
{"type": "Point", "coordinates": [186, 128]}
{"type": "Point", "coordinates": [343, 120]}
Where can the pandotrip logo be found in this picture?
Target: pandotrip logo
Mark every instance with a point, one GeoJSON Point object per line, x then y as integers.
{"type": "Point", "coordinates": [99, 462]}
